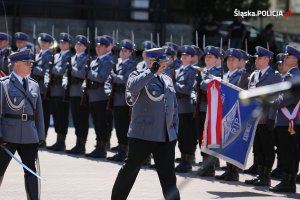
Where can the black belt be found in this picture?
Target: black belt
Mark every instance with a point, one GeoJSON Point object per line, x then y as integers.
{"type": "Point", "coordinates": [57, 80]}
{"type": "Point", "coordinates": [23, 117]}
{"type": "Point", "coordinates": [95, 85]}
{"type": "Point", "coordinates": [75, 80]}
{"type": "Point", "coordinates": [120, 88]}
{"type": "Point", "coordinates": [180, 95]}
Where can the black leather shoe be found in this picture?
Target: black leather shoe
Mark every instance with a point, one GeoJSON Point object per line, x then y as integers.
{"type": "Point", "coordinates": [252, 170]}
{"type": "Point", "coordinates": [117, 157]}
{"type": "Point", "coordinates": [252, 181]}
{"type": "Point", "coordinates": [183, 167]}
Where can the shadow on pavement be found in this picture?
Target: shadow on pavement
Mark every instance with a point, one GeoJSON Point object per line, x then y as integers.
{"type": "Point", "coordinates": [237, 194]}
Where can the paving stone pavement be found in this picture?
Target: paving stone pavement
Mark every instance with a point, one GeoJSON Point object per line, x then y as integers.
{"type": "Point", "coordinates": [79, 178]}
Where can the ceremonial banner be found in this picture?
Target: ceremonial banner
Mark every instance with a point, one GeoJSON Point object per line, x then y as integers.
{"type": "Point", "coordinates": [230, 125]}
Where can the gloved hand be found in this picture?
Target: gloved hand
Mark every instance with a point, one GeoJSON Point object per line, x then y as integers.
{"type": "Point", "coordinates": [65, 86]}
{"type": "Point", "coordinates": [42, 143]}
{"type": "Point", "coordinates": [46, 84]}
{"type": "Point", "coordinates": [113, 74]}
{"type": "Point", "coordinates": [2, 141]}
{"type": "Point", "coordinates": [271, 125]}
{"type": "Point", "coordinates": [154, 68]}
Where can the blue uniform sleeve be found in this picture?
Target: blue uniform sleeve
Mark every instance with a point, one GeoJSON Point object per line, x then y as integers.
{"type": "Point", "coordinates": [187, 86]}
{"type": "Point", "coordinates": [42, 65]}
{"type": "Point", "coordinates": [122, 78]}
{"type": "Point", "coordinates": [102, 72]}
{"type": "Point", "coordinates": [79, 70]}
{"type": "Point", "coordinates": [39, 118]}
{"type": "Point", "coordinates": [138, 80]}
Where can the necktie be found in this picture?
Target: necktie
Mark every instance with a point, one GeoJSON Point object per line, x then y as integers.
{"type": "Point", "coordinates": [75, 58]}
{"type": "Point", "coordinates": [160, 78]}
{"type": "Point", "coordinates": [228, 78]}
{"type": "Point", "coordinates": [40, 55]}
{"type": "Point", "coordinates": [259, 75]}
{"type": "Point", "coordinates": [24, 84]}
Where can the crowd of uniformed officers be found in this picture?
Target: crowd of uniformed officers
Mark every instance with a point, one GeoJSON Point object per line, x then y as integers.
{"type": "Point", "coordinates": [97, 86]}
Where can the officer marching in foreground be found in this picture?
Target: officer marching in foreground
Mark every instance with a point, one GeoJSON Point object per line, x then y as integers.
{"type": "Point", "coordinates": [153, 128]}
{"type": "Point", "coordinates": [22, 126]}
{"type": "Point", "coordinates": [263, 145]}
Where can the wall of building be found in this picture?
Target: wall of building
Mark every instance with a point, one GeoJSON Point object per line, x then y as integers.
{"type": "Point", "coordinates": [142, 30]}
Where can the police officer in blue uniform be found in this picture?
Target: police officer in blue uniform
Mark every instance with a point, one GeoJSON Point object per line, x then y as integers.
{"type": "Point", "coordinates": [115, 88]}
{"type": "Point", "coordinates": [184, 85]}
{"type": "Point", "coordinates": [287, 132]}
{"type": "Point", "coordinates": [100, 69]}
{"type": "Point", "coordinates": [232, 76]}
{"type": "Point", "coordinates": [143, 65]}
{"type": "Point", "coordinates": [75, 78]}
{"type": "Point", "coordinates": [212, 54]}
{"type": "Point", "coordinates": [263, 146]}
{"type": "Point", "coordinates": [170, 70]}
{"type": "Point", "coordinates": [109, 115]}
{"type": "Point", "coordinates": [41, 64]}
{"type": "Point", "coordinates": [54, 79]}
{"type": "Point", "coordinates": [22, 126]}
{"type": "Point", "coordinates": [177, 61]}
{"type": "Point", "coordinates": [153, 127]}
{"type": "Point", "coordinates": [283, 69]}
{"type": "Point", "coordinates": [4, 53]}
{"type": "Point", "coordinates": [21, 41]}
{"type": "Point", "coordinates": [245, 72]}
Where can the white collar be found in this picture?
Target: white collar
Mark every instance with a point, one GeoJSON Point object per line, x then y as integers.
{"type": "Point", "coordinates": [79, 54]}
{"type": "Point", "coordinates": [24, 48]}
{"type": "Point", "coordinates": [20, 78]}
{"type": "Point", "coordinates": [292, 68]}
{"type": "Point", "coordinates": [124, 61]}
{"type": "Point", "coordinates": [102, 56]}
{"type": "Point", "coordinates": [64, 52]}
{"type": "Point", "coordinates": [232, 72]}
{"type": "Point", "coordinates": [43, 51]}
{"type": "Point", "coordinates": [264, 70]}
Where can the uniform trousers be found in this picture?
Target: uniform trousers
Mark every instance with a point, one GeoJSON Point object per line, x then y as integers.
{"type": "Point", "coordinates": [122, 120]}
{"type": "Point", "coordinates": [98, 112]}
{"type": "Point", "coordinates": [200, 126]}
{"type": "Point", "coordinates": [139, 150]}
{"type": "Point", "coordinates": [80, 116]}
{"type": "Point", "coordinates": [288, 149]}
{"type": "Point", "coordinates": [46, 112]}
{"type": "Point", "coordinates": [187, 138]}
{"type": "Point", "coordinates": [263, 146]}
{"type": "Point", "coordinates": [27, 153]}
{"type": "Point", "coordinates": [60, 111]}
{"type": "Point", "coordinates": [109, 121]}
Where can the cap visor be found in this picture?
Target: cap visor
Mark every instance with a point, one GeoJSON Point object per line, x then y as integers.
{"type": "Point", "coordinates": [165, 59]}
{"type": "Point", "coordinates": [31, 61]}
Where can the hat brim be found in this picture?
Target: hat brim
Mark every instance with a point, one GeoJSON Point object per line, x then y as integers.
{"type": "Point", "coordinates": [161, 59]}
{"type": "Point", "coordinates": [165, 59]}
{"type": "Point", "coordinates": [208, 53]}
{"type": "Point", "coordinates": [30, 61]}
